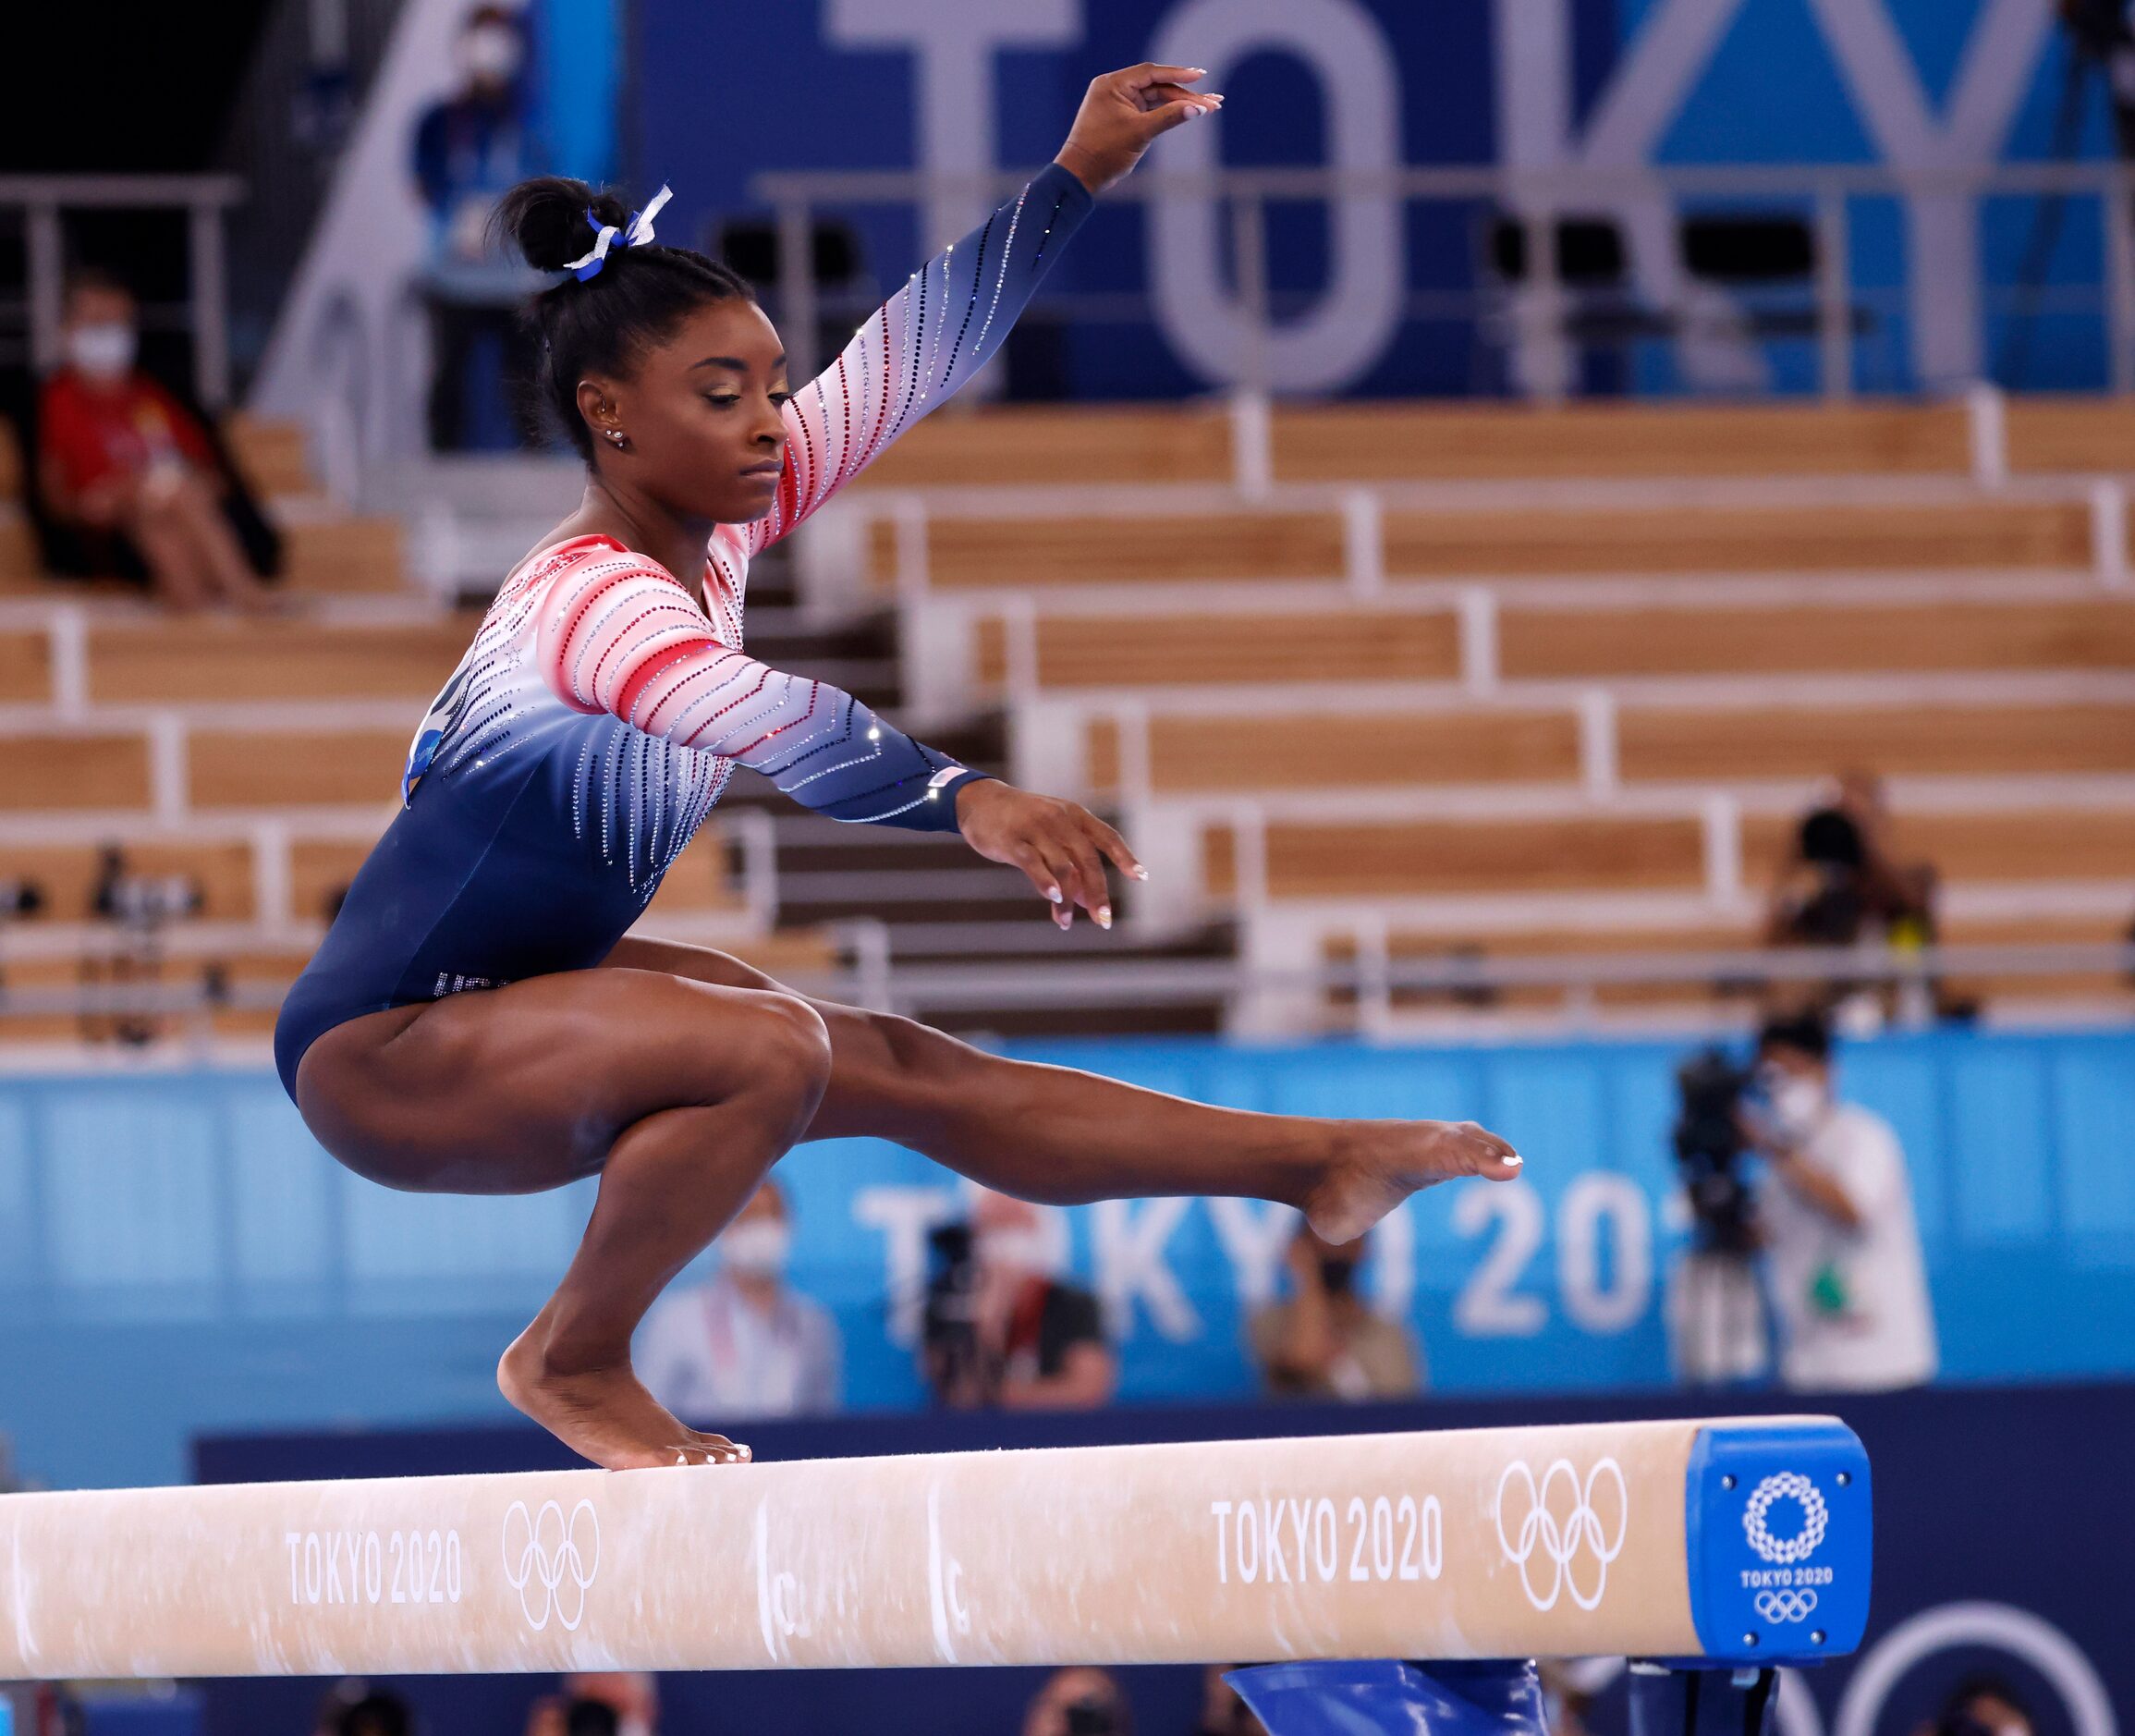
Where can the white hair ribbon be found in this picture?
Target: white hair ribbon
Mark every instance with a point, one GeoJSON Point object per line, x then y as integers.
{"type": "Point", "coordinates": [637, 232]}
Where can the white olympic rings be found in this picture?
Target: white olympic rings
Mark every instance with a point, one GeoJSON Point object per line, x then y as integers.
{"type": "Point", "coordinates": [1562, 1539]}
{"type": "Point", "coordinates": [1815, 1517]}
{"type": "Point", "coordinates": [546, 1560]}
{"type": "Point", "coordinates": [1779, 1606]}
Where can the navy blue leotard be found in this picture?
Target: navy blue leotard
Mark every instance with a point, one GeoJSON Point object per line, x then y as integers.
{"type": "Point", "coordinates": [596, 718]}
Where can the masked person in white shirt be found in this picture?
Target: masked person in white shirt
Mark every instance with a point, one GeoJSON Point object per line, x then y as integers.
{"type": "Point", "coordinates": [746, 1343]}
{"type": "Point", "coordinates": [1843, 1267]}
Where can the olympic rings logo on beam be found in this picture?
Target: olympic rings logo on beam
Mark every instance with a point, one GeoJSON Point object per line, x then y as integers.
{"type": "Point", "coordinates": [546, 1560]}
{"type": "Point", "coordinates": [1565, 1530]}
{"type": "Point", "coordinates": [1780, 1606]}
{"type": "Point", "coordinates": [1815, 1518]}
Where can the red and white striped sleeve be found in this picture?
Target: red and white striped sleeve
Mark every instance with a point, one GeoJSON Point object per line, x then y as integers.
{"type": "Point", "coordinates": [618, 634]}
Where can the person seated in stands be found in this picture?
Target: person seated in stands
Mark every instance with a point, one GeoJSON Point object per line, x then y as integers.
{"type": "Point", "coordinates": [468, 149]}
{"type": "Point", "coordinates": [599, 1702]}
{"type": "Point", "coordinates": [747, 1343]}
{"type": "Point", "coordinates": [1079, 1701]}
{"type": "Point", "coordinates": [1001, 1329]}
{"type": "Point", "coordinates": [1322, 1341]}
{"type": "Point", "coordinates": [130, 481]}
{"type": "Point", "coordinates": [1842, 885]}
{"type": "Point", "coordinates": [1982, 1706]}
{"type": "Point", "coordinates": [355, 1708]}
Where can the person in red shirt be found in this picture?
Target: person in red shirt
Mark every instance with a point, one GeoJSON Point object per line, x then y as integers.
{"type": "Point", "coordinates": [128, 469]}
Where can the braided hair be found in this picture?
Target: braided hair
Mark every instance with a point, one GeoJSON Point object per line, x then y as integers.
{"type": "Point", "coordinates": [600, 325]}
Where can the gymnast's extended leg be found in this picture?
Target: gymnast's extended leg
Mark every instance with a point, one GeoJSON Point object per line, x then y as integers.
{"type": "Point", "coordinates": [1065, 1137]}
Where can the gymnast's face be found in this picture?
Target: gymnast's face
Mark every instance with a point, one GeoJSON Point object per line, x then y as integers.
{"type": "Point", "coordinates": [699, 416]}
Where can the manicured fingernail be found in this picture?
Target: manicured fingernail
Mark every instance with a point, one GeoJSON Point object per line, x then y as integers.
{"type": "Point", "coordinates": [1053, 893]}
{"type": "Point", "coordinates": [1104, 916]}
{"type": "Point", "coordinates": [1513, 1160]}
{"type": "Point", "coordinates": [1140, 872]}
{"type": "Point", "coordinates": [1197, 72]}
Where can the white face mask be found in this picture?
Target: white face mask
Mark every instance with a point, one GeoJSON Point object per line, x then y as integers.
{"type": "Point", "coordinates": [1798, 1103]}
{"type": "Point", "coordinates": [1014, 1250]}
{"type": "Point", "coordinates": [757, 1249]}
{"type": "Point", "coordinates": [490, 52]}
{"type": "Point", "coordinates": [103, 352]}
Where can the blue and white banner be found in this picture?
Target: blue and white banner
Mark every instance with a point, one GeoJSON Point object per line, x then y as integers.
{"type": "Point", "coordinates": [177, 1254]}
{"type": "Point", "coordinates": [1379, 296]}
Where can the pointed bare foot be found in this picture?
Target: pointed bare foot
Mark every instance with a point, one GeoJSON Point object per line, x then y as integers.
{"type": "Point", "coordinates": [1379, 1164]}
{"type": "Point", "coordinates": [605, 1415]}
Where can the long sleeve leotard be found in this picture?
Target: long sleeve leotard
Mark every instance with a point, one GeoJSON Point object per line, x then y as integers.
{"type": "Point", "coordinates": [604, 702]}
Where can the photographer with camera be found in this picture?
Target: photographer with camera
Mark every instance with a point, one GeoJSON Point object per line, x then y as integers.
{"type": "Point", "coordinates": [1824, 1241]}
{"type": "Point", "coordinates": [1718, 1331]}
{"type": "Point", "coordinates": [1841, 1249]}
{"type": "Point", "coordinates": [1843, 884]}
{"type": "Point", "coordinates": [1000, 1329]}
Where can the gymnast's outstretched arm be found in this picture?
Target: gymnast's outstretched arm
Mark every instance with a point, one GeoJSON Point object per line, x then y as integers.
{"type": "Point", "coordinates": [619, 634]}
{"type": "Point", "coordinates": [953, 312]}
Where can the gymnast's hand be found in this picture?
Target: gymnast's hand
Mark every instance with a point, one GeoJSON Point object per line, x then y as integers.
{"type": "Point", "coordinates": [1059, 845]}
{"type": "Point", "coordinates": [1121, 115]}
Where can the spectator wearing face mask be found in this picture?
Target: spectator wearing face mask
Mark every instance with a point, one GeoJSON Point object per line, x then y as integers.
{"type": "Point", "coordinates": [129, 481]}
{"type": "Point", "coordinates": [1002, 1330]}
{"type": "Point", "coordinates": [1322, 1341]}
{"type": "Point", "coordinates": [599, 1702]}
{"type": "Point", "coordinates": [746, 1343]}
{"type": "Point", "coordinates": [1079, 1701]}
{"type": "Point", "coordinates": [1843, 1264]}
{"type": "Point", "coordinates": [468, 149]}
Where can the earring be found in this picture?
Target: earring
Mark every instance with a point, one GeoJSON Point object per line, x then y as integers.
{"type": "Point", "coordinates": [617, 438]}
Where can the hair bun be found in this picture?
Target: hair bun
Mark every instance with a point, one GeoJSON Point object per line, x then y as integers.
{"type": "Point", "coordinates": [544, 219]}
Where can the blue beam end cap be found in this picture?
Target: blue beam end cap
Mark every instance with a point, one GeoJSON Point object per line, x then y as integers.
{"type": "Point", "coordinates": [1780, 1536]}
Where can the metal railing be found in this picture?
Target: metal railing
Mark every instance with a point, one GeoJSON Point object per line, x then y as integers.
{"type": "Point", "coordinates": [1536, 199]}
{"type": "Point", "coordinates": [206, 201]}
{"type": "Point", "coordinates": [868, 976]}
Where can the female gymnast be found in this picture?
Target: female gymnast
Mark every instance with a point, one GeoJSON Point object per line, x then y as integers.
{"type": "Point", "coordinates": [477, 1021]}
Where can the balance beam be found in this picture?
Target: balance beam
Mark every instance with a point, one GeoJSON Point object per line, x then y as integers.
{"type": "Point", "coordinates": [1740, 1541]}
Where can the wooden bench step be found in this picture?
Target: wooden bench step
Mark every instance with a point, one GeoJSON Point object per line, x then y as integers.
{"type": "Point", "coordinates": [1248, 752]}
{"type": "Point", "coordinates": [1640, 540]}
{"type": "Point", "coordinates": [1402, 858]}
{"type": "Point", "coordinates": [1028, 445]}
{"type": "Point", "coordinates": [2053, 433]}
{"type": "Point", "coordinates": [1667, 743]}
{"type": "Point", "coordinates": [966, 554]}
{"type": "Point", "coordinates": [1180, 650]}
{"type": "Point", "coordinates": [1998, 847]}
{"type": "Point", "coordinates": [1542, 644]}
{"type": "Point", "coordinates": [206, 660]}
{"type": "Point", "coordinates": [1385, 443]}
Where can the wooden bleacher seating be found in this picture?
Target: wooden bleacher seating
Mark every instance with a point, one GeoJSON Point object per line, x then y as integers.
{"type": "Point", "coordinates": [1807, 742]}
{"type": "Point", "coordinates": [1576, 644]}
{"type": "Point", "coordinates": [1030, 444]}
{"type": "Point", "coordinates": [1832, 537]}
{"type": "Point", "coordinates": [1355, 442]}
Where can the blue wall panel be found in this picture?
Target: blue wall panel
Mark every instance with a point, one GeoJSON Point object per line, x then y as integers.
{"type": "Point", "coordinates": [176, 1251]}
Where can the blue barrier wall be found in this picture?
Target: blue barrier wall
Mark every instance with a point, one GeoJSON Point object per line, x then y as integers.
{"type": "Point", "coordinates": [720, 93]}
{"type": "Point", "coordinates": [177, 1255]}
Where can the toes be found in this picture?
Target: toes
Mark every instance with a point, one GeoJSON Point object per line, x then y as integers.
{"type": "Point", "coordinates": [1486, 1153]}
